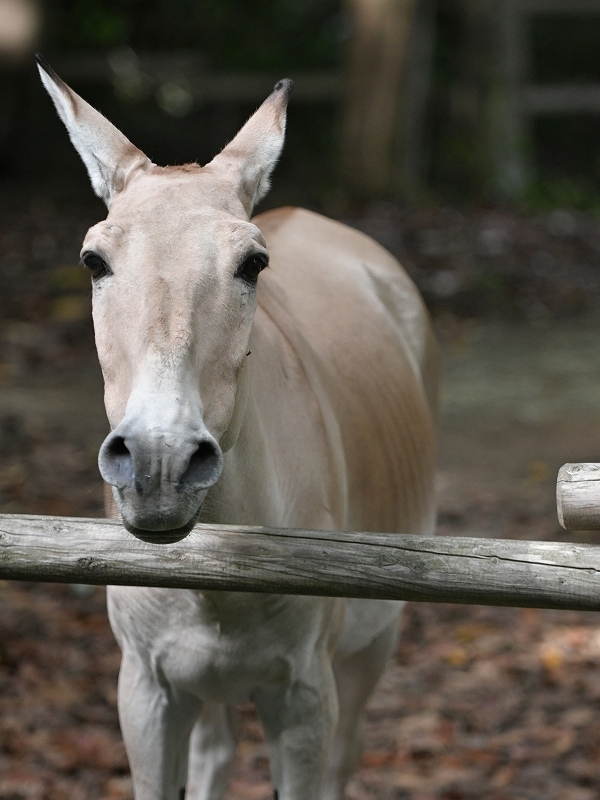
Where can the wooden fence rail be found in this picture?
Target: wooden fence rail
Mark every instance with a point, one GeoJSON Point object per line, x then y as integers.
{"type": "Point", "coordinates": [147, 71]}
{"type": "Point", "coordinates": [393, 566]}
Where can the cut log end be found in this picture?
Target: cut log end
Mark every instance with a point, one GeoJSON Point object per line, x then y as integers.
{"type": "Point", "coordinates": [578, 497]}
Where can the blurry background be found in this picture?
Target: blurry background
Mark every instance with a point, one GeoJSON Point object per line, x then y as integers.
{"type": "Point", "coordinates": [464, 135]}
{"type": "Point", "coordinates": [451, 100]}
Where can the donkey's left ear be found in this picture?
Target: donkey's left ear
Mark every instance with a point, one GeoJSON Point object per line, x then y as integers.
{"type": "Point", "coordinates": [249, 159]}
{"type": "Point", "coordinates": [109, 156]}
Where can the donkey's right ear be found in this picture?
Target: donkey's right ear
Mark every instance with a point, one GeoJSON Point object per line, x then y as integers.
{"type": "Point", "coordinates": [109, 156]}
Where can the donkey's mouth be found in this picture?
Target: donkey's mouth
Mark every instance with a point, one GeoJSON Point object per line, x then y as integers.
{"type": "Point", "coordinates": [162, 537]}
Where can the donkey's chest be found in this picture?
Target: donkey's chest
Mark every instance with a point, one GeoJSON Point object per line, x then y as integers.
{"type": "Point", "coordinates": [221, 647]}
{"type": "Point", "coordinates": [217, 666]}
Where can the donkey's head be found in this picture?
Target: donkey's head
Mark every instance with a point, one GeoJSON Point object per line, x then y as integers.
{"type": "Point", "coordinates": [174, 271]}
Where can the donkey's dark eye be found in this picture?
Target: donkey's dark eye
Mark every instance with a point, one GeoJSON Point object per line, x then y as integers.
{"type": "Point", "coordinates": [96, 265]}
{"type": "Point", "coordinates": [251, 268]}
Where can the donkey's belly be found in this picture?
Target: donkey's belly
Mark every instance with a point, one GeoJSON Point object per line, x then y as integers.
{"type": "Point", "coordinates": [364, 621]}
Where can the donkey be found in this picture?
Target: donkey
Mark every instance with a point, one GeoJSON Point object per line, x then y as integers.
{"type": "Point", "coordinates": [298, 395]}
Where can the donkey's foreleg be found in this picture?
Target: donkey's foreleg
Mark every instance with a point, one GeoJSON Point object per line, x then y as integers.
{"type": "Point", "coordinates": [156, 722]}
{"type": "Point", "coordinates": [356, 676]}
{"type": "Point", "coordinates": [212, 750]}
{"type": "Point", "coordinates": [299, 722]}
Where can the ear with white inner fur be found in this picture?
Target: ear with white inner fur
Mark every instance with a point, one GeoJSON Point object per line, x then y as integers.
{"type": "Point", "coordinates": [109, 156]}
{"type": "Point", "coordinates": [252, 155]}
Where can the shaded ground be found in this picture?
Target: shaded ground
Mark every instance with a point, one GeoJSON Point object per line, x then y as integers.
{"type": "Point", "coordinates": [502, 704]}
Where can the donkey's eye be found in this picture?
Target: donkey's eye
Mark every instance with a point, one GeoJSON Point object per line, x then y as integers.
{"type": "Point", "coordinates": [96, 265]}
{"type": "Point", "coordinates": [251, 268]}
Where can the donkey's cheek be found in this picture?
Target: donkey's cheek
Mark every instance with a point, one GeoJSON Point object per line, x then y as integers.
{"type": "Point", "coordinates": [218, 410]}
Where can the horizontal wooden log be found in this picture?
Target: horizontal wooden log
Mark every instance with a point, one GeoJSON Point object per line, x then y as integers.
{"type": "Point", "coordinates": [188, 66]}
{"type": "Point", "coordinates": [392, 566]}
{"type": "Point", "coordinates": [578, 497]}
{"type": "Point", "coordinates": [568, 98]}
{"type": "Point", "coordinates": [563, 7]}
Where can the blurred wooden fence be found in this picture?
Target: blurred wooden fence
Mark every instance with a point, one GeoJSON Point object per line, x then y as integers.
{"type": "Point", "coordinates": [148, 71]}
{"type": "Point", "coordinates": [518, 100]}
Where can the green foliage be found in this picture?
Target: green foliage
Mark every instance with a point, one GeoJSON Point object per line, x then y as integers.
{"type": "Point", "coordinates": [547, 194]}
{"type": "Point", "coordinates": [234, 34]}
{"type": "Point", "coordinates": [95, 23]}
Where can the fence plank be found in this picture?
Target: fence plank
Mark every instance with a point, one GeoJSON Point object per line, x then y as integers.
{"type": "Point", "coordinates": [568, 98]}
{"type": "Point", "coordinates": [546, 7]}
{"type": "Point", "coordinates": [392, 566]}
{"type": "Point", "coordinates": [188, 66]}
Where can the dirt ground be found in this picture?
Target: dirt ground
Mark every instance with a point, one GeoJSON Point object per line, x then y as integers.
{"type": "Point", "coordinates": [501, 704]}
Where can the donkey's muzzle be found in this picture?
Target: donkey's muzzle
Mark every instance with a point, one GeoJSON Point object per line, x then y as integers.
{"type": "Point", "coordinates": [159, 483]}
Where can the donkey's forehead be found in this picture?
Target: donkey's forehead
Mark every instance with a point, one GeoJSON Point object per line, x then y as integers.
{"type": "Point", "coordinates": [203, 222]}
{"type": "Point", "coordinates": [169, 191]}
{"type": "Point", "coordinates": [192, 207]}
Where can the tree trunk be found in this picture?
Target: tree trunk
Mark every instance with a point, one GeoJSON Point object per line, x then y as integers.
{"type": "Point", "coordinates": [377, 57]}
{"type": "Point", "coordinates": [467, 147]}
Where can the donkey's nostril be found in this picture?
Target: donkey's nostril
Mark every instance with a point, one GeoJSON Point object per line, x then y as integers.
{"type": "Point", "coordinates": [204, 467]}
{"type": "Point", "coordinates": [147, 467]}
{"type": "Point", "coordinates": [116, 447]}
{"type": "Point", "coordinates": [115, 462]}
